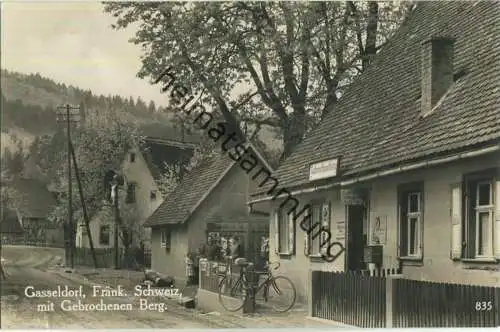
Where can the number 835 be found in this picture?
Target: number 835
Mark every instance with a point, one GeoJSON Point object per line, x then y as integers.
{"type": "Point", "coordinates": [484, 306]}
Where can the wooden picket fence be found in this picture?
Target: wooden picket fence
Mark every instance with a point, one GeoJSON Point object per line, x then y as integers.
{"type": "Point", "coordinates": [211, 274]}
{"type": "Point", "coordinates": [362, 299]}
{"type": "Point", "coordinates": [354, 298]}
{"type": "Point", "coordinates": [431, 304]}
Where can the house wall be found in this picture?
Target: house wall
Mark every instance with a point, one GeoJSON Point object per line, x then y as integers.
{"type": "Point", "coordinates": [138, 172]}
{"type": "Point", "coordinates": [230, 196]}
{"type": "Point", "coordinates": [436, 264]}
{"type": "Point", "coordinates": [104, 217]}
{"type": "Point", "coordinates": [299, 266]}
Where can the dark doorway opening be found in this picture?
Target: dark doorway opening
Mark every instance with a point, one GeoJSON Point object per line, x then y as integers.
{"type": "Point", "coordinates": [356, 239]}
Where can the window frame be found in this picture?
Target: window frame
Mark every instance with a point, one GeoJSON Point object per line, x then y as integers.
{"type": "Point", "coordinates": [166, 239]}
{"type": "Point", "coordinates": [318, 205]}
{"type": "Point", "coordinates": [108, 242]}
{"type": "Point", "coordinates": [280, 215]}
{"type": "Point", "coordinates": [405, 191]}
{"type": "Point", "coordinates": [131, 194]}
{"type": "Point", "coordinates": [472, 210]}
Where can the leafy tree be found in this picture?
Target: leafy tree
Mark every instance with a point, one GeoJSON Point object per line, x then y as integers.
{"type": "Point", "coordinates": [279, 63]}
{"type": "Point", "coordinates": [13, 161]}
{"type": "Point", "coordinates": [98, 148]}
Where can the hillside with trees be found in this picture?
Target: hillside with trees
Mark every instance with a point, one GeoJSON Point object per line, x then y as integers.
{"type": "Point", "coordinates": [29, 104]}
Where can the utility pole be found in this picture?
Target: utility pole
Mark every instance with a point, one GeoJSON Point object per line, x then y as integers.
{"type": "Point", "coordinates": [117, 220]}
{"type": "Point", "coordinates": [68, 117]}
{"type": "Point", "coordinates": [116, 182]}
{"type": "Point", "coordinates": [84, 206]}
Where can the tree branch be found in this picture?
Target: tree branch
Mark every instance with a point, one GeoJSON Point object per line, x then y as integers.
{"type": "Point", "coordinates": [356, 14]}
{"type": "Point", "coordinates": [244, 101]}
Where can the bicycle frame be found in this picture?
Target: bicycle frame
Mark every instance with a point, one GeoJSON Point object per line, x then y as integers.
{"type": "Point", "coordinates": [266, 283]}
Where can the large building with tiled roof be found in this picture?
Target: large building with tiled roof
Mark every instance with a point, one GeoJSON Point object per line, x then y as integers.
{"type": "Point", "coordinates": [408, 158]}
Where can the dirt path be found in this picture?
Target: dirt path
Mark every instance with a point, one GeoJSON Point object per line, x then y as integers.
{"type": "Point", "coordinates": [31, 267]}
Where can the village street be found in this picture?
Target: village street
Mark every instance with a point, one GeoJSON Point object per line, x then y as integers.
{"type": "Point", "coordinates": [36, 267]}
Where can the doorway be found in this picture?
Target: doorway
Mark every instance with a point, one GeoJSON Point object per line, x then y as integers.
{"type": "Point", "coordinates": [356, 239]}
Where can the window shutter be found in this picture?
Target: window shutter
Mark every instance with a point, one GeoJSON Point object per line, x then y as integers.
{"type": "Point", "coordinates": [276, 233]}
{"type": "Point", "coordinates": [291, 234]}
{"type": "Point", "coordinates": [403, 225]}
{"type": "Point", "coordinates": [325, 222]}
{"type": "Point", "coordinates": [496, 226]}
{"type": "Point", "coordinates": [456, 221]}
{"type": "Point", "coordinates": [306, 236]}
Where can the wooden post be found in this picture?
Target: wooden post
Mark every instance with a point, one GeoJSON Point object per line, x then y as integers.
{"type": "Point", "coordinates": [249, 301]}
{"type": "Point", "coordinates": [117, 220]}
{"type": "Point", "coordinates": [389, 297]}
{"type": "Point", "coordinates": [84, 206]}
{"type": "Point", "coordinates": [309, 293]}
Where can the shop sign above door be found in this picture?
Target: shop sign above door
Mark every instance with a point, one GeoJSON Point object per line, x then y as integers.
{"type": "Point", "coordinates": [323, 169]}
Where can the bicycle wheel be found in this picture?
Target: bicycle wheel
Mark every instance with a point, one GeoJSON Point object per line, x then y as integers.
{"type": "Point", "coordinates": [280, 294]}
{"type": "Point", "coordinates": [231, 293]}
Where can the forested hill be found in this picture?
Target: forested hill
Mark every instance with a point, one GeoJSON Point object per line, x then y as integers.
{"type": "Point", "coordinates": [29, 106]}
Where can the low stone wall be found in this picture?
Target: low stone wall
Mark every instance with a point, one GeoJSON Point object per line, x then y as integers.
{"type": "Point", "coordinates": [209, 301]}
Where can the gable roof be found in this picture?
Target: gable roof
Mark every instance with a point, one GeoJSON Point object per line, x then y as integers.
{"type": "Point", "coordinates": [34, 199]}
{"type": "Point", "coordinates": [169, 132]}
{"type": "Point", "coordinates": [377, 123]}
{"type": "Point", "coordinates": [194, 188]}
{"type": "Point", "coordinates": [157, 153]}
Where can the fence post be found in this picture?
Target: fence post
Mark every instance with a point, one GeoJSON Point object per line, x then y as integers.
{"type": "Point", "coordinates": [497, 305]}
{"type": "Point", "coordinates": [203, 267]}
{"type": "Point", "coordinates": [389, 283]}
{"type": "Point", "coordinates": [309, 293]}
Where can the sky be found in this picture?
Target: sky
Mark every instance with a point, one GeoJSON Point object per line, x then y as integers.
{"type": "Point", "coordinates": [73, 43]}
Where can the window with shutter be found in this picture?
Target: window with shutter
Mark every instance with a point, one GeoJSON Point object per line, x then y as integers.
{"type": "Point", "coordinates": [285, 232]}
{"type": "Point", "coordinates": [496, 226]}
{"type": "Point", "coordinates": [411, 221]}
{"type": "Point", "coordinates": [319, 220]}
{"type": "Point", "coordinates": [480, 222]}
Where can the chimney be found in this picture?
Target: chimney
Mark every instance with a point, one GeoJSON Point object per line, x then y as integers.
{"type": "Point", "coordinates": [437, 71]}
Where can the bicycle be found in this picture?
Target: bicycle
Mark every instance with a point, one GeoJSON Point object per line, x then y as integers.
{"type": "Point", "coordinates": [238, 292]}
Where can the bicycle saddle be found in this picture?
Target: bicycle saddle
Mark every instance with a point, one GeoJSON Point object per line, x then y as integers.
{"type": "Point", "coordinates": [242, 262]}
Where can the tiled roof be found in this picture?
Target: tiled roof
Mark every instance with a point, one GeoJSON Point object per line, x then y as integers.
{"type": "Point", "coordinates": [157, 154]}
{"type": "Point", "coordinates": [196, 185]}
{"type": "Point", "coordinates": [35, 200]}
{"type": "Point", "coordinates": [179, 204]}
{"type": "Point", "coordinates": [377, 122]}
{"type": "Point", "coordinates": [169, 132]}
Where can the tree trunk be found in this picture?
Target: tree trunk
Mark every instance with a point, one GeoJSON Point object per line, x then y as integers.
{"type": "Point", "coordinates": [293, 133]}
